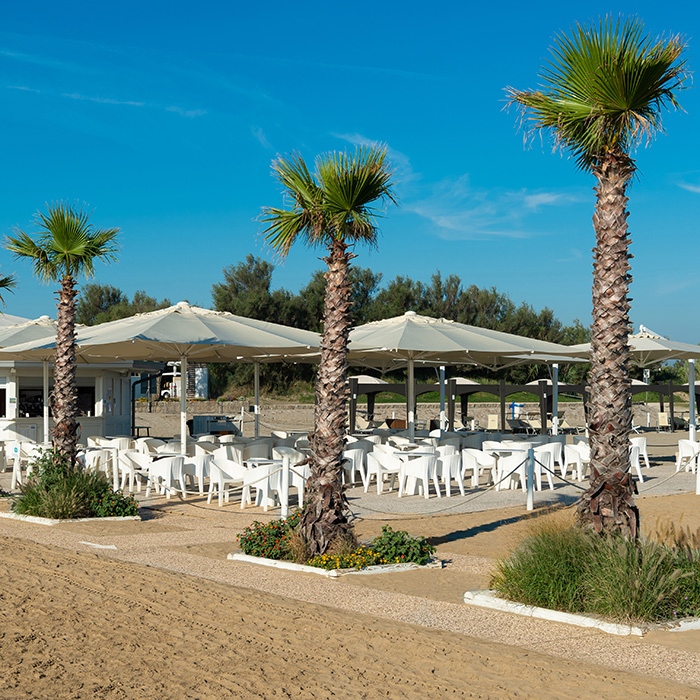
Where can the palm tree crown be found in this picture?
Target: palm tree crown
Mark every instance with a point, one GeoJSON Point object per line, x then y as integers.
{"type": "Point", "coordinates": [67, 244]}
{"type": "Point", "coordinates": [605, 89]}
{"type": "Point", "coordinates": [335, 203]}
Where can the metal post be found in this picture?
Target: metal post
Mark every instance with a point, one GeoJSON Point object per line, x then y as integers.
{"type": "Point", "coordinates": [411, 401]}
{"type": "Point", "coordinates": [183, 404]}
{"type": "Point", "coordinates": [555, 399]}
{"type": "Point", "coordinates": [256, 406]}
{"type": "Point", "coordinates": [530, 479]}
{"type": "Point", "coordinates": [284, 487]}
{"type": "Point", "coordinates": [691, 399]}
{"type": "Point", "coordinates": [443, 419]}
{"type": "Point", "coordinates": [46, 401]}
{"type": "Point", "coordinates": [352, 408]}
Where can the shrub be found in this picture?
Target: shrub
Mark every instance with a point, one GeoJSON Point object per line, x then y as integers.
{"type": "Point", "coordinates": [58, 490]}
{"type": "Point", "coordinates": [546, 569]}
{"type": "Point", "coordinates": [399, 547]}
{"type": "Point", "coordinates": [271, 539]}
{"type": "Point", "coordinates": [628, 581]}
{"type": "Point", "coordinates": [632, 581]}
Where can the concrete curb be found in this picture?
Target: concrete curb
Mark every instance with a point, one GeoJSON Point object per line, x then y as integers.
{"type": "Point", "coordinates": [53, 521]}
{"type": "Point", "coordinates": [329, 573]}
{"type": "Point", "coordinates": [489, 599]}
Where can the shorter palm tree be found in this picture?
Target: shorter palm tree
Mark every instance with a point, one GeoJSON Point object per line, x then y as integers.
{"type": "Point", "coordinates": [66, 246]}
{"type": "Point", "coordinates": [332, 208]}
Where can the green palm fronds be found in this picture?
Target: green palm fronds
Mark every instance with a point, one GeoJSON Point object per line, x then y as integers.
{"type": "Point", "coordinates": [605, 89]}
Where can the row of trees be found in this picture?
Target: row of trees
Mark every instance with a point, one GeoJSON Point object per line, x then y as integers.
{"type": "Point", "coordinates": [247, 290]}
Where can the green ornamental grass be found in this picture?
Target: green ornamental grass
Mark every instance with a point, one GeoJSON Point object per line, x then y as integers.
{"type": "Point", "coordinates": [575, 570]}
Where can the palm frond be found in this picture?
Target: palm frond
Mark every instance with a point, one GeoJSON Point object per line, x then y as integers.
{"type": "Point", "coordinates": [335, 202]}
{"type": "Point", "coordinates": [604, 89]}
{"type": "Point", "coordinates": [66, 243]}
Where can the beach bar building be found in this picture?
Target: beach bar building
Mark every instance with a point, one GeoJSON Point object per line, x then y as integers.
{"type": "Point", "coordinates": [104, 395]}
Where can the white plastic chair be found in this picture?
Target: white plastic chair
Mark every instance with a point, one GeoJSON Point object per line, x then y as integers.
{"type": "Point", "coordinates": [544, 462]}
{"type": "Point", "coordinates": [634, 462]}
{"type": "Point", "coordinates": [421, 469]}
{"type": "Point", "coordinates": [197, 468]}
{"type": "Point", "coordinates": [257, 450]}
{"type": "Point", "coordinates": [223, 473]}
{"type": "Point", "coordinates": [687, 457]}
{"type": "Point", "coordinates": [164, 473]}
{"type": "Point", "coordinates": [641, 443]}
{"type": "Point", "coordinates": [99, 460]}
{"type": "Point", "coordinates": [484, 462]}
{"type": "Point", "coordinates": [353, 462]}
{"type": "Point", "coordinates": [510, 468]}
{"type": "Point", "coordinates": [134, 466]}
{"type": "Point", "coordinates": [380, 464]}
{"type": "Point", "coordinates": [449, 467]}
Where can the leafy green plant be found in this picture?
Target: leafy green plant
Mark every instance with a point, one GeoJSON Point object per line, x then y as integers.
{"type": "Point", "coordinates": [111, 504]}
{"type": "Point", "coordinates": [56, 489]}
{"type": "Point", "coordinates": [398, 546]}
{"type": "Point", "coordinates": [271, 539]}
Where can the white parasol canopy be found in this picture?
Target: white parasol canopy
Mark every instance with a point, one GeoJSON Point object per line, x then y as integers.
{"type": "Point", "coordinates": [413, 338]}
{"type": "Point", "coordinates": [180, 333]}
{"type": "Point", "coordinates": [648, 348]}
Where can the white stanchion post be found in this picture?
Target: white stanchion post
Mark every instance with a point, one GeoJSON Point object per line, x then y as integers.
{"type": "Point", "coordinates": [691, 399]}
{"type": "Point", "coordinates": [284, 487]}
{"type": "Point", "coordinates": [443, 417]}
{"type": "Point", "coordinates": [115, 468]}
{"type": "Point", "coordinates": [256, 406]}
{"type": "Point", "coordinates": [530, 479]}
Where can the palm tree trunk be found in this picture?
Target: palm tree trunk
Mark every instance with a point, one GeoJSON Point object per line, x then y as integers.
{"type": "Point", "coordinates": [325, 515]}
{"type": "Point", "coordinates": [608, 504]}
{"type": "Point", "coordinates": [65, 396]}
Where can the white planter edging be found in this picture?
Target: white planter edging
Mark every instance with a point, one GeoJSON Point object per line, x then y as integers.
{"type": "Point", "coordinates": [279, 564]}
{"type": "Point", "coordinates": [489, 599]}
{"type": "Point", "coordinates": [329, 573]}
{"type": "Point", "coordinates": [54, 521]}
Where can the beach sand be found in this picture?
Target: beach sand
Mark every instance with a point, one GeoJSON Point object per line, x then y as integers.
{"type": "Point", "coordinates": [157, 611]}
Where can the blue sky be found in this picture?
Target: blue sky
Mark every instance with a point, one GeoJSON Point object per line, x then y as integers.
{"type": "Point", "coordinates": [163, 119]}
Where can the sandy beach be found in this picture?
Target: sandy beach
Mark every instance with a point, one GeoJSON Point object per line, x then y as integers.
{"type": "Point", "coordinates": [154, 609]}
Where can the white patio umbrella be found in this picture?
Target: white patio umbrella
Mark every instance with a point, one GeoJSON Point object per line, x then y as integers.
{"type": "Point", "coordinates": [648, 348]}
{"type": "Point", "coordinates": [10, 320]}
{"type": "Point", "coordinates": [182, 333]}
{"type": "Point", "coordinates": [25, 332]}
{"type": "Point", "coordinates": [411, 338]}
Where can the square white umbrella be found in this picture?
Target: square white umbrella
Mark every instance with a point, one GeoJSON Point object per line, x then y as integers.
{"type": "Point", "coordinates": [405, 340]}
{"type": "Point", "coordinates": [181, 333]}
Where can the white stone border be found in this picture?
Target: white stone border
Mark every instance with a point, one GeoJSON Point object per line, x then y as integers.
{"type": "Point", "coordinates": [55, 521]}
{"type": "Point", "coordinates": [329, 573]}
{"type": "Point", "coordinates": [489, 599]}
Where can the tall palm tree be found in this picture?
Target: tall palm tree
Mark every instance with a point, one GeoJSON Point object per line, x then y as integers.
{"type": "Point", "coordinates": [65, 247]}
{"type": "Point", "coordinates": [332, 208]}
{"type": "Point", "coordinates": [603, 93]}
